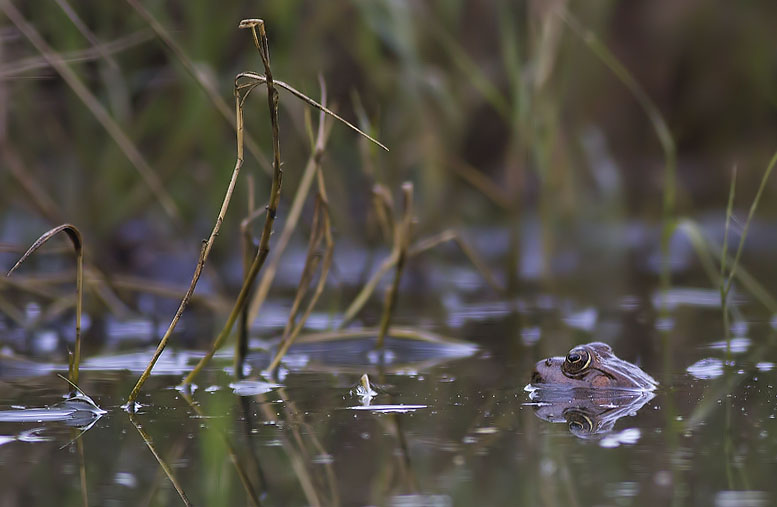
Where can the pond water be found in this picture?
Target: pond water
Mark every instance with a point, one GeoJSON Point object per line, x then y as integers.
{"type": "Point", "coordinates": [449, 422]}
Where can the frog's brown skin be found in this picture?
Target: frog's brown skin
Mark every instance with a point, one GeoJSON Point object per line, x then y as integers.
{"type": "Point", "coordinates": [592, 366]}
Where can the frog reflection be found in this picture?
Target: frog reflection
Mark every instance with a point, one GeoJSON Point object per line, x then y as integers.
{"type": "Point", "coordinates": [589, 389]}
{"type": "Point", "coordinates": [589, 414]}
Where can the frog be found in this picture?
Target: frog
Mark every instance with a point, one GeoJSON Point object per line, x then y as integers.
{"type": "Point", "coordinates": [591, 366]}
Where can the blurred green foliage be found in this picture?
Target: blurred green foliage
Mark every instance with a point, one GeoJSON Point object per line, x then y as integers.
{"type": "Point", "coordinates": [502, 86]}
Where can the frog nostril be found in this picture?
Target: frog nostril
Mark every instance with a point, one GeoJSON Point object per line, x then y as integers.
{"type": "Point", "coordinates": [548, 362]}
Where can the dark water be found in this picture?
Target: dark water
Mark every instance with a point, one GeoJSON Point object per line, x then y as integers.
{"type": "Point", "coordinates": [452, 423]}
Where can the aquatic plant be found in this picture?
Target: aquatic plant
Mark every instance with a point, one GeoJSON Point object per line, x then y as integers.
{"type": "Point", "coordinates": [78, 246]}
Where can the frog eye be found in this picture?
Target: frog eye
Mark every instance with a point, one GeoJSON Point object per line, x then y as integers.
{"type": "Point", "coordinates": [577, 361]}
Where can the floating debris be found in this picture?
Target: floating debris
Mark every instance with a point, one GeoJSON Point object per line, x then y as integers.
{"type": "Point", "coordinates": [252, 387]}
{"type": "Point", "coordinates": [400, 409]}
{"type": "Point", "coordinates": [364, 390]}
{"type": "Point", "coordinates": [706, 369]}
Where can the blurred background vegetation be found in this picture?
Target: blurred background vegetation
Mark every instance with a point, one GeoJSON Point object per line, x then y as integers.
{"type": "Point", "coordinates": [496, 110]}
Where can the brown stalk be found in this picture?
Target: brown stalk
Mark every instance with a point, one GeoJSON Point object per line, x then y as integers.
{"type": "Point", "coordinates": [294, 214]}
{"type": "Point", "coordinates": [261, 43]}
{"type": "Point", "coordinates": [418, 248]}
{"type": "Point", "coordinates": [205, 250]}
{"type": "Point", "coordinates": [23, 65]}
{"type": "Point", "coordinates": [46, 206]}
{"type": "Point", "coordinates": [261, 79]}
{"type": "Point", "coordinates": [384, 210]}
{"type": "Point", "coordinates": [249, 251]}
{"type": "Point", "coordinates": [292, 330]}
{"type": "Point", "coordinates": [402, 242]}
{"type": "Point", "coordinates": [78, 245]}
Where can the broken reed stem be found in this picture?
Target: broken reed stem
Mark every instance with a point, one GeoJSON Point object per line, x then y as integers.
{"type": "Point", "coordinates": [260, 41]}
{"type": "Point", "coordinates": [290, 224]}
{"type": "Point", "coordinates": [324, 129]}
{"type": "Point", "coordinates": [402, 240]}
{"type": "Point", "coordinates": [322, 229]}
{"type": "Point", "coordinates": [78, 245]}
{"type": "Point", "coordinates": [204, 252]}
{"type": "Point", "coordinates": [261, 79]}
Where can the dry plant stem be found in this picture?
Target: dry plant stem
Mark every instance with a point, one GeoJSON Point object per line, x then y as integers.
{"type": "Point", "coordinates": [162, 463]}
{"type": "Point", "coordinates": [312, 260]}
{"type": "Point", "coordinates": [291, 333]}
{"type": "Point", "coordinates": [78, 245]}
{"type": "Point", "coordinates": [49, 209]}
{"type": "Point", "coordinates": [321, 229]}
{"type": "Point", "coordinates": [24, 65]}
{"type": "Point", "coordinates": [275, 193]}
{"type": "Point", "coordinates": [384, 210]}
{"type": "Point", "coordinates": [87, 33]}
{"type": "Point", "coordinates": [206, 85]}
{"type": "Point", "coordinates": [261, 79]}
{"type": "Point", "coordinates": [403, 241]}
{"type": "Point", "coordinates": [324, 129]}
{"type": "Point", "coordinates": [205, 251]}
{"type": "Point", "coordinates": [249, 251]}
{"type": "Point", "coordinates": [405, 333]}
{"type": "Point", "coordinates": [482, 183]}
{"type": "Point", "coordinates": [421, 246]}
{"type": "Point", "coordinates": [96, 108]}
